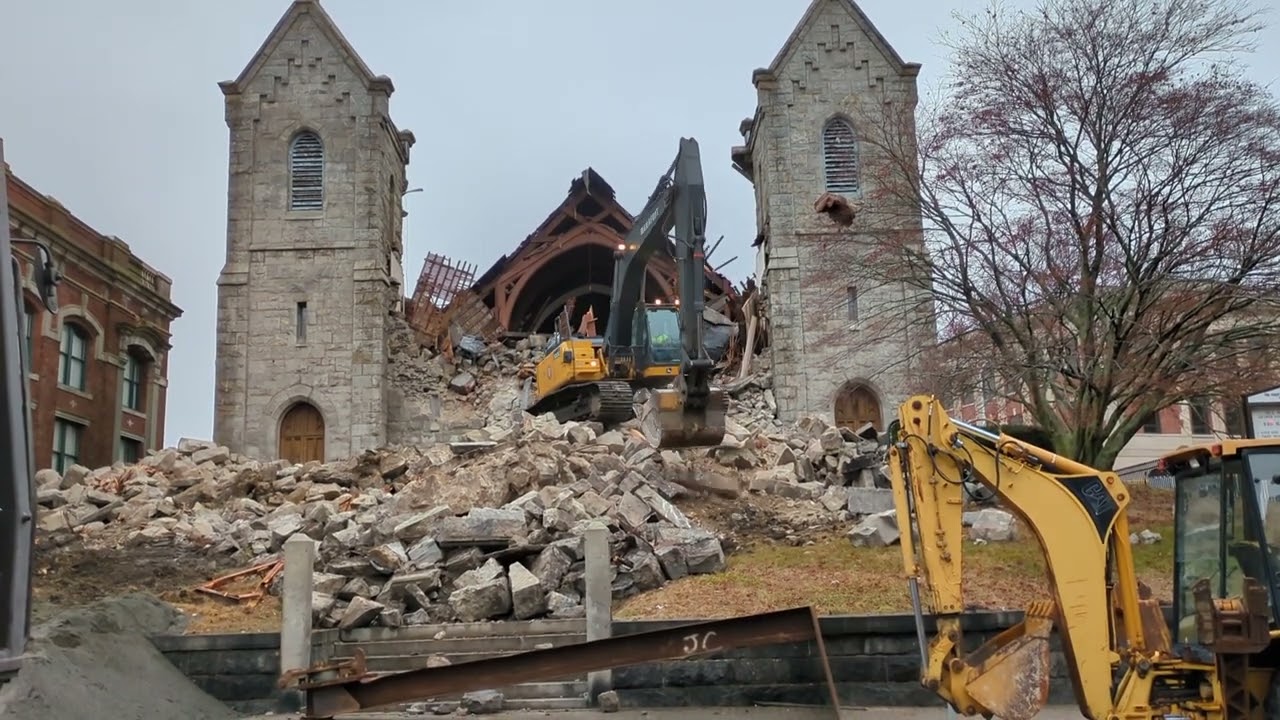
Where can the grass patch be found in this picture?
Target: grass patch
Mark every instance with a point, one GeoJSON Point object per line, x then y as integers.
{"type": "Point", "coordinates": [837, 578]}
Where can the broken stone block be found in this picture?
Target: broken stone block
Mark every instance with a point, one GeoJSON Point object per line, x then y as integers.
{"type": "Point", "coordinates": [1146, 537]}
{"type": "Point", "coordinates": [216, 455]}
{"type": "Point", "coordinates": [664, 509]}
{"type": "Point", "coordinates": [361, 612]}
{"type": "Point", "coordinates": [528, 599]}
{"type": "Point", "coordinates": [672, 560]}
{"type": "Point", "coordinates": [482, 702]}
{"type": "Point", "coordinates": [551, 566]}
{"type": "Point", "coordinates": [830, 440]}
{"type": "Point", "coordinates": [563, 606]}
{"type": "Point", "coordinates": [48, 478]}
{"type": "Point", "coordinates": [992, 525]}
{"type": "Point", "coordinates": [878, 530]}
{"type": "Point", "coordinates": [482, 525]}
{"type": "Point", "coordinates": [835, 498]}
{"type": "Point", "coordinates": [74, 475]}
{"type": "Point", "coordinates": [418, 525]}
{"type": "Point", "coordinates": [767, 479]}
{"type": "Point", "coordinates": [425, 553]}
{"type": "Point", "coordinates": [646, 571]}
{"type": "Point", "coordinates": [327, 583]}
{"type": "Point", "coordinates": [481, 600]}
{"type": "Point", "coordinates": [464, 383]}
{"type": "Point", "coordinates": [632, 511]}
{"type": "Point", "coordinates": [390, 617]}
{"type": "Point", "coordinates": [869, 500]}
{"type": "Point", "coordinates": [701, 549]}
{"type": "Point", "coordinates": [388, 558]}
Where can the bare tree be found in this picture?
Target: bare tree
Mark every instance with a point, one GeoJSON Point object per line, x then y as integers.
{"type": "Point", "coordinates": [1099, 187]}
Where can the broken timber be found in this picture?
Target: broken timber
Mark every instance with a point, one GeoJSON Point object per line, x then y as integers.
{"type": "Point", "coordinates": [341, 688]}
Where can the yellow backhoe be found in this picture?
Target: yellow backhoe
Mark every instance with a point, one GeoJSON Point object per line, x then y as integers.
{"type": "Point", "coordinates": [657, 346]}
{"type": "Point", "coordinates": [1213, 657]}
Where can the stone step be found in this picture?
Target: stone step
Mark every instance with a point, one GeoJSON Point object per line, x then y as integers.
{"type": "Point", "coordinates": [537, 691]}
{"type": "Point", "coordinates": [528, 704]}
{"type": "Point", "coordinates": [402, 663]}
{"type": "Point", "coordinates": [502, 628]}
{"type": "Point", "coordinates": [453, 645]}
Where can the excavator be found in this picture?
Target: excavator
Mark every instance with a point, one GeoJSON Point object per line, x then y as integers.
{"type": "Point", "coordinates": [1213, 655]}
{"type": "Point", "coordinates": [656, 347]}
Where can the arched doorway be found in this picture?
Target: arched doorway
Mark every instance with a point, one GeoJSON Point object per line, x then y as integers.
{"type": "Point", "coordinates": [302, 434]}
{"type": "Point", "coordinates": [857, 405]}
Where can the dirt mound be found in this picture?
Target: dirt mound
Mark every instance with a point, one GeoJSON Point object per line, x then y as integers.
{"type": "Point", "coordinates": [96, 662]}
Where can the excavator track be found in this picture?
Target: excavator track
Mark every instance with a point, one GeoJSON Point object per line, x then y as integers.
{"type": "Point", "coordinates": [605, 401]}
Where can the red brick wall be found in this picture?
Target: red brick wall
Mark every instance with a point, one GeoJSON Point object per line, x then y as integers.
{"type": "Point", "coordinates": [108, 293]}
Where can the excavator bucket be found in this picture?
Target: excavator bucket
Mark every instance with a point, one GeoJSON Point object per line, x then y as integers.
{"type": "Point", "coordinates": [1009, 675]}
{"type": "Point", "coordinates": [668, 422]}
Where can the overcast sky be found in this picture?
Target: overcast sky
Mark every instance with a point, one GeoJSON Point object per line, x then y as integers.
{"type": "Point", "coordinates": [112, 107]}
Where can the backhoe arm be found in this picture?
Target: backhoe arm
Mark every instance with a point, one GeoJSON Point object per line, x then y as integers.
{"type": "Point", "coordinates": [1075, 512]}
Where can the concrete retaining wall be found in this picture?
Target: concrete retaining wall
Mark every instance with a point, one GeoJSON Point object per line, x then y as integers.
{"type": "Point", "coordinates": [239, 669]}
{"type": "Point", "coordinates": [875, 660]}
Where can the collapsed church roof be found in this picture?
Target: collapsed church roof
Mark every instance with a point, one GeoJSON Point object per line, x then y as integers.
{"type": "Point", "coordinates": [567, 260]}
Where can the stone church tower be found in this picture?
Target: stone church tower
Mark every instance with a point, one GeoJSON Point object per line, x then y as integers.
{"type": "Point", "coordinates": [313, 265]}
{"type": "Point", "coordinates": [832, 354]}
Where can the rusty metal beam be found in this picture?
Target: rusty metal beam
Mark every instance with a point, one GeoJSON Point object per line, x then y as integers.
{"type": "Point", "coordinates": [328, 696]}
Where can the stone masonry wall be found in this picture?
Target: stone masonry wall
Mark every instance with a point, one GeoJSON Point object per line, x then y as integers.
{"type": "Point", "coordinates": [339, 260]}
{"type": "Point", "coordinates": [834, 68]}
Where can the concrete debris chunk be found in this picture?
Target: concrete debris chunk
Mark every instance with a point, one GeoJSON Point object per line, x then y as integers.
{"type": "Point", "coordinates": [878, 530]}
{"type": "Point", "coordinates": [992, 525]}
{"type": "Point", "coordinates": [360, 612]}
{"type": "Point", "coordinates": [528, 599]}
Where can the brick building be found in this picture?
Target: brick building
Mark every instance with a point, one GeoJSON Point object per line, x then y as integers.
{"type": "Point", "coordinates": [100, 366]}
{"type": "Point", "coordinates": [841, 347]}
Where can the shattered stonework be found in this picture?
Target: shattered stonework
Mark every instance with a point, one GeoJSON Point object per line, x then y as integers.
{"type": "Point", "coordinates": [485, 524]}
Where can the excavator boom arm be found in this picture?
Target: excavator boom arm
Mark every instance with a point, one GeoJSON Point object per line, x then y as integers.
{"type": "Point", "coordinates": [1078, 516]}
{"type": "Point", "coordinates": [679, 203]}
{"type": "Point", "coordinates": [689, 413]}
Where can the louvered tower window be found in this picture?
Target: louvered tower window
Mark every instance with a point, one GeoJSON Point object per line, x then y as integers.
{"type": "Point", "coordinates": [840, 157]}
{"type": "Point", "coordinates": [306, 172]}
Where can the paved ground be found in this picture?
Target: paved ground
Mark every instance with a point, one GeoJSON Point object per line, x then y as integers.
{"type": "Point", "coordinates": [882, 713]}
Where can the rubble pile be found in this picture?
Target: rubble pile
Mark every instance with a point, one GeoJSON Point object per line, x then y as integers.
{"type": "Point", "coordinates": [483, 517]}
{"type": "Point", "coordinates": [477, 529]}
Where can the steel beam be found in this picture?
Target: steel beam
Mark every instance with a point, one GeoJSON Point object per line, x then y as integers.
{"type": "Point", "coordinates": [327, 697]}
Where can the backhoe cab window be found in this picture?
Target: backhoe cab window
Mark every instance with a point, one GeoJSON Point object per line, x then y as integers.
{"type": "Point", "coordinates": [1263, 468]}
{"type": "Point", "coordinates": [1221, 518]}
{"type": "Point", "coordinates": [1199, 535]}
{"type": "Point", "coordinates": [664, 334]}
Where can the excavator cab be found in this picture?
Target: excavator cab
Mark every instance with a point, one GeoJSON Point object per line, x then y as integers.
{"type": "Point", "coordinates": [1227, 536]}
{"type": "Point", "coordinates": [658, 332]}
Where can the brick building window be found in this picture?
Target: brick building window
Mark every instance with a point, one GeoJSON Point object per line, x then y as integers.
{"type": "Point", "coordinates": [1233, 418]}
{"type": "Point", "coordinates": [133, 375]}
{"type": "Point", "coordinates": [1151, 425]}
{"type": "Point", "coordinates": [130, 450]}
{"type": "Point", "coordinates": [306, 172]}
{"type": "Point", "coordinates": [840, 157]}
{"type": "Point", "coordinates": [28, 335]}
{"type": "Point", "coordinates": [852, 301]}
{"type": "Point", "coordinates": [71, 360]}
{"type": "Point", "coordinates": [66, 444]}
{"type": "Point", "coordinates": [1200, 416]}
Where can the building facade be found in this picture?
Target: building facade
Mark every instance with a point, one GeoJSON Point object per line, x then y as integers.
{"type": "Point", "coordinates": [99, 367]}
{"type": "Point", "coordinates": [1202, 420]}
{"type": "Point", "coordinates": [313, 267]}
{"type": "Point", "coordinates": [841, 347]}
